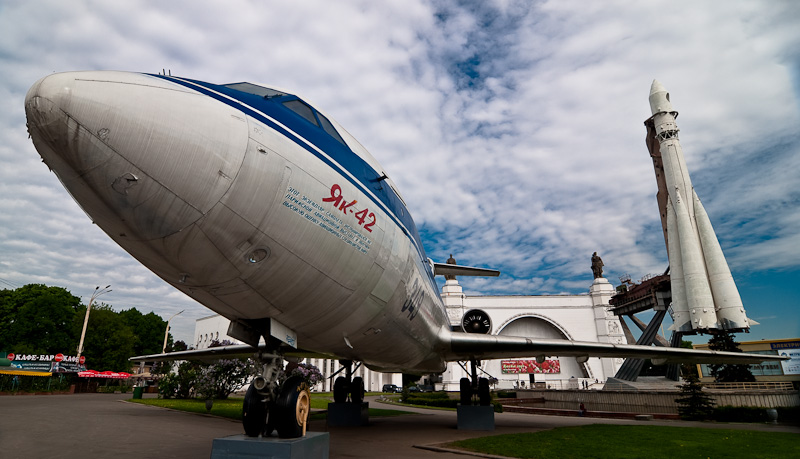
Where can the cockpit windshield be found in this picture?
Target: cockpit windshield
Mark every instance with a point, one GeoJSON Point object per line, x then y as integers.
{"type": "Point", "coordinates": [251, 88]}
{"type": "Point", "coordinates": [294, 104]}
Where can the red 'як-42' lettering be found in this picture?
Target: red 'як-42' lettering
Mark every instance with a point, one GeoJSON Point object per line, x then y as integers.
{"type": "Point", "coordinates": [341, 203]}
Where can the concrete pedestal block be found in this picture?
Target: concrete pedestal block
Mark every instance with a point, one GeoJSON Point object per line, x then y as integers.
{"type": "Point", "coordinates": [314, 445]}
{"type": "Point", "coordinates": [348, 414]}
{"type": "Point", "coordinates": [472, 417]}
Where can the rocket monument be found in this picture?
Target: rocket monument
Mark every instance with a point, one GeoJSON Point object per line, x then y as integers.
{"type": "Point", "coordinates": [704, 294]}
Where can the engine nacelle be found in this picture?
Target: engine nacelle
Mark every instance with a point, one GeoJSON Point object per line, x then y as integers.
{"type": "Point", "coordinates": [476, 321]}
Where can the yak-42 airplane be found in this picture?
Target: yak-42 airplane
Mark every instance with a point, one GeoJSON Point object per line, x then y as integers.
{"type": "Point", "coordinates": [262, 208]}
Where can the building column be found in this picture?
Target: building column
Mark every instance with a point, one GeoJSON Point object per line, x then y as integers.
{"type": "Point", "coordinates": [607, 324]}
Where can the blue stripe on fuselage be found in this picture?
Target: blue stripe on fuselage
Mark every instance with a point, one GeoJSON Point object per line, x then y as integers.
{"type": "Point", "coordinates": [366, 178]}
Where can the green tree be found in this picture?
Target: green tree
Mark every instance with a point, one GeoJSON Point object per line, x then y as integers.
{"type": "Point", "coordinates": [148, 330]}
{"type": "Point", "coordinates": [38, 319]}
{"type": "Point", "coordinates": [723, 341]}
{"type": "Point", "coordinates": [695, 404]}
{"type": "Point", "coordinates": [109, 342]}
{"type": "Point", "coordinates": [179, 345]}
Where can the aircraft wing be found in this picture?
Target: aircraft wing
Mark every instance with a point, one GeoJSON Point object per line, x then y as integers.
{"type": "Point", "coordinates": [441, 269]}
{"type": "Point", "coordinates": [223, 352]}
{"type": "Point", "coordinates": [465, 346]}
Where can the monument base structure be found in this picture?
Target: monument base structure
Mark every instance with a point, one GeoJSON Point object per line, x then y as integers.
{"type": "Point", "coordinates": [348, 414]}
{"type": "Point", "coordinates": [475, 417]}
{"type": "Point", "coordinates": [314, 445]}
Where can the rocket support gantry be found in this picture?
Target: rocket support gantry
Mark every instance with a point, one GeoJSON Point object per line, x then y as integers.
{"type": "Point", "coordinates": [704, 294]}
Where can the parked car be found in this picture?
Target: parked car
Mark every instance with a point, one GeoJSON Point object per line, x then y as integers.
{"type": "Point", "coordinates": [391, 388]}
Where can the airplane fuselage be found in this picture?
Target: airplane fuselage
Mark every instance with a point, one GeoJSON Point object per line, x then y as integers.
{"type": "Point", "coordinates": [250, 201]}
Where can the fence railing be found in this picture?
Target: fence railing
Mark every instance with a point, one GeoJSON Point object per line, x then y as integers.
{"type": "Point", "coordinates": [764, 385]}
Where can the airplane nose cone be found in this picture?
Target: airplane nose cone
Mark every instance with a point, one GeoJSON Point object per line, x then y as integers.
{"type": "Point", "coordinates": [143, 156]}
{"type": "Point", "coordinates": [44, 97]}
{"type": "Point", "coordinates": [44, 109]}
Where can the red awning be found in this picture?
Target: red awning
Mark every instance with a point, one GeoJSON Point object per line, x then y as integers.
{"type": "Point", "coordinates": [104, 374]}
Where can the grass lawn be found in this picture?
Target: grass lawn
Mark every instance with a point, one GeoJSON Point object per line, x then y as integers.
{"type": "Point", "coordinates": [623, 442]}
{"type": "Point", "coordinates": [230, 408]}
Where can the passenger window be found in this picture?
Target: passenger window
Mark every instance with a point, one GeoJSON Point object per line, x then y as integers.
{"type": "Point", "coordinates": [302, 109]}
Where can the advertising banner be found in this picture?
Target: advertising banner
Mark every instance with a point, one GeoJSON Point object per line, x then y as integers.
{"type": "Point", "coordinates": [530, 366]}
{"type": "Point", "coordinates": [54, 363]}
{"type": "Point", "coordinates": [792, 350]}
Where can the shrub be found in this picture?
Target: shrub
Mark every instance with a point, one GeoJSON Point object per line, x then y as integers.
{"type": "Point", "coordinates": [437, 399]}
{"type": "Point", "coordinates": [310, 374]}
{"type": "Point", "coordinates": [20, 383]}
{"type": "Point", "coordinates": [790, 414]}
{"type": "Point", "coordinates": [180, 384]}
{"type": "Point", "coordinates": [219, 379]}
{"type": "Point", "coordinates": [112, 389]}
{"type": "Point", "coordinates": [786, 414]}
{"type": "Point", "coordinates": [739, 414]}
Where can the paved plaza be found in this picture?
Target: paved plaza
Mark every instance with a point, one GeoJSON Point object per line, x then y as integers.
{"type": "Point", "coordinates": [104, 425]}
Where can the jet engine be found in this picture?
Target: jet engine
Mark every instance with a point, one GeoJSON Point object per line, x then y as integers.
{"type": "Point", "coordinates": [476, 321]}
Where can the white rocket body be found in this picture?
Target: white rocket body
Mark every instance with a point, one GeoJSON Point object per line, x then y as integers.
{"type": "Point", "coordinates": [704, 294]}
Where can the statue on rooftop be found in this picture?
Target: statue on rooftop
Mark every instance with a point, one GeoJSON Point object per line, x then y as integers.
{"type": "Point", "coordinates": [450, 261]}
{"type": "Point", "coordinates": [597, 266]}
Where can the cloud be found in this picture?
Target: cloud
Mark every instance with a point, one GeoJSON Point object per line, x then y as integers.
{"type": "Point", "coordinates": [513, 130]}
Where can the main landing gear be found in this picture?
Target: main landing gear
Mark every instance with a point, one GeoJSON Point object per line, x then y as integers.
{"type": "Point", "coordinates": [474, 390]}
{"type": "Point", "coordinates": [270, 406]}
{"type": "Point", "coordinates": [347, 385]}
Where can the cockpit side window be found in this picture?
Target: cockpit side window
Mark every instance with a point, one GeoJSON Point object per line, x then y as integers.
{"type": "Point", "coordinates": [302, 109]}
{"type": "Point", "coordinates": [329, 128]}
{"type": "Point", "coordinates": [250, 88]}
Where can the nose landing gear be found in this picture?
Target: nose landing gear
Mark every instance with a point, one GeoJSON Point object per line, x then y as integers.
{"type": "Point", "coordinates": [270, 406]}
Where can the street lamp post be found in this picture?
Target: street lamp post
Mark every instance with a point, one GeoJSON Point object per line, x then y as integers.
{"type": "Point", "coordinates": [97, 292]}
{"type": "Point", "coordinates": [166, 333]}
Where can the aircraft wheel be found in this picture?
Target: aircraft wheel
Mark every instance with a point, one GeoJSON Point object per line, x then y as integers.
{"type": "Point", "coordinates": [357, 390]}
{"type": "Point", "coordinates": [254, 413]}
{"type": "Point", "coordinates": [269, 428]}
{"type": "Point", "coordinates": [466, 391]}
{"type": "Point", "coordinates": [340, 390]}
{"type": "Point", "coordinates": [484, 394]}
{"type": "Point", "coordinates": [292, 408]}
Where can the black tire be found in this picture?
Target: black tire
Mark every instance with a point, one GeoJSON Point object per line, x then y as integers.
{"type": "Point", "coordinates": [285, 414]}
{"type": "Point", "coordinates": [484, 394]}
{"type": "Point", "coordinates": [269, 428]}
{"type": "Point", "coordinates": [466, 392]}
{"type": "Point", "coordinates": [340, 390]}
{"type": "Point", "coordinates": [254, 413]}
{"type": "Point", "coordinates": [357, 390]}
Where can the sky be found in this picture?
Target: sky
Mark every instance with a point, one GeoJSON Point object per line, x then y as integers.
{"type": "Point", "coordinates": [513, 129]}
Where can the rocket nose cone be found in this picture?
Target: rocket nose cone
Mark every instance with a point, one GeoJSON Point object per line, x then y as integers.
{"type": "Point", "coordinates": [659, 99]}
{"type": "Point", "coordinates": [656, 87]}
